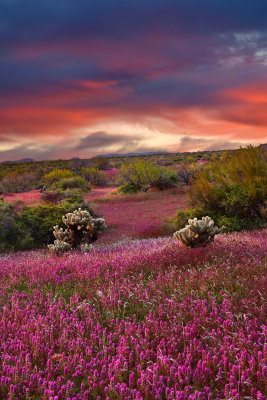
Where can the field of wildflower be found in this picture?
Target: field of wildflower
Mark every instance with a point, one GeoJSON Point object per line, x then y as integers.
{"type": "Point", "coordinates": [141, 319]}
{"type": "Point", "coordinates": [33, 197]}
{"type": "Point", "coordinates": [30, 198]}
{"type": "Point", "coordinates": [141, 215]}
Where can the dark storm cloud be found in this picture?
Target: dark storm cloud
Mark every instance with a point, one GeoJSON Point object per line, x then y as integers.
{"type": "Point", "coordinates": [102, 140]}
{"type": "Point", "coordinates": [31, 21]}
{"type": "Point", "coordinates": [188, 143]}
{"type": "Point", "coordinates": [40, 41]}
{"type": "Point", "coordinates": [94, 144]}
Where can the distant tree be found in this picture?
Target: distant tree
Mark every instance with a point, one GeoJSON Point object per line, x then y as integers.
{"type": "Point", "coordinates": [94, 176]}
{"type": "Point", "coordinates": [74, 182]}
{"type": "Point", "coordinates": [102, 163]}
{"type": "Point", "coordinates": [141, 175]}
{"type": "Point", "coordinates": [76, 164]}
{"type": "Point", "coordinates": [187, 172]}
{"type": "Point", "coordinates": [56, 175]}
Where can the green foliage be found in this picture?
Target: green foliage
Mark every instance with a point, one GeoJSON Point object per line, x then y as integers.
{"type": "Point", "coordinates": [128, 188]}
{"type": "Point", "coordinates": [182, 216]}
{"type": "Point", "coordinates": [73, 182]}
{"type": "Point", "coordinates": [102, 163]}
{"type": "Point", "coordinates": [15, 182]}
{"type": "Point", "coordinates": [56, 175]}
{"type": "Point", "coordinates": [40, 219]}
{"type": "Point", "coordinates": [240, 223]}
{"type": "Point", "coordinates": [13, 233]}
{"type": "Point", "coordinates": [94, 176]}
{"type": "Point", "coordinates": [74, 196]}
{"type": "Point", "coordinates": [142, 174]}
{"type": "Point", "coordinates": [234, 188]}
{"type": "Point", "coordinates": [187, 172]}
{"type": "Point", "coordinates": [231, 224]}
{"type": "Point", "coordinates": [69, 196]}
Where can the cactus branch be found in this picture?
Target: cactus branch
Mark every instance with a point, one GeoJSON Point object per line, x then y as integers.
{"type": "Point", "coordinates": [198, 233]}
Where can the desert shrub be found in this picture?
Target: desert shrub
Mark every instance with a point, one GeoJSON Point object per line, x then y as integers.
{"type": "Point", "coordinates": [74, 196]}
{"type": "Point", "coordinates": [13, 232]}
{"type": "Point", "coordinates": [233, 189]}
{"type": "Point", "coordinates": [94, 176]}
{"type": "Point", "coordinates": [56, 175]}
{"type": "Point", "coordinates": [233, 223]}
{"type": "Point", "coordinates": [182, 216]}
{"type": "Point", "coordinates": [52, 196]}
{"type": "Point", "coordinates": [102, 163]}
{"type": "Point", "coordinates": [187, 173]}
{"type": "Point", "coordinates": [40, 219]}
{"type": "Point", "coordinates": [69, 196]}
{"type": "Point", "coordinates": [75, 182]}
{"type": "Point", "coordinates": [263, 211]}
{"type": "Point", "coordinates": [142, 174]}
{"type": "Point", "coordinates": [237, 201]}
{"type": "Point", "coordinates": [128, 188]}
{"type": "Point", "coordinates": [15, 183]}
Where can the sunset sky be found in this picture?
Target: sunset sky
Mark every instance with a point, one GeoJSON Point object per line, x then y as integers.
{"type": "Point", "coordinates": [80, 77]}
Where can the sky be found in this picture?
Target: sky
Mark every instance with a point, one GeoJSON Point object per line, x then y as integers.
{"type": "Point", "coordinates": [81, 78]}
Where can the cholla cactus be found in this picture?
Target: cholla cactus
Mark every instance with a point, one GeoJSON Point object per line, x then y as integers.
{"type": "Point", "coordinates": [59, 247]}
{"type": "Point", "coordinates": [77, 219]}
{"type": "Point", "coordinates": [63, 235]}
{"type": "Point", "coordinates": [82, 229]}
{"type": "Point", "coordinates": [198, 233]}
{"type": "Point", "coordinates": [86, 248]}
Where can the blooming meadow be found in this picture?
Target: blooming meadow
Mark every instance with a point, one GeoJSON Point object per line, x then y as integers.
{"type": "Point", "coordinates": [141, 319]}
{"type": "Point", "coordinates": [133, 216]}
{"type": "Point", "coordinates": [139, 215]}
{"type": "Point", "coordinates": [30, 198]}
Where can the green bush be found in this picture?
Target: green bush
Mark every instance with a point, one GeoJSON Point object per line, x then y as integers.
{"type": "Point", "coordinates": [233, 190]}
{"type": "Point", "coordinates": [128, 188]}
{"type": "Point", "coordinates": [236, 201]}
{"type": "Point", "coordinates": [74, 196]}
{"type": "Point", "coordinates": [94, 176]}
{"type": "Point", "coordinates": [56, 175]}
{"type": "Point", "coordinates": [142, 174]}
{"type": "Point", "coordinates": [14, 182]}
{"type": "Point", "coordinates": [75, 182]}
{"type": "Point", "coordinates": [13, 232]}
{"type": "Point", "coordinates": [182, 216]}
{"type": "Point", "coordinates": [232, 224]}
{"type": "Point", "coordinates": [39, 220]}
{"type": "Point", "coordinates": [68, 196]}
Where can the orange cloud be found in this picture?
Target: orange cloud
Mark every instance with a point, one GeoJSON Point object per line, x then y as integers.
{"type": "Point", "coordinates": [95, 84]}
{"type": "Point", "coordinates": [255, 92]}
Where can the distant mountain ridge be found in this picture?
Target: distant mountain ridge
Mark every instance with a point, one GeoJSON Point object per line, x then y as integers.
{"type": "Point", "coordinates": [27, 160]}
{"type": "Point", "coordinates": [147, 153]}
{"type": "Point", "coordinates": [23, 160]}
